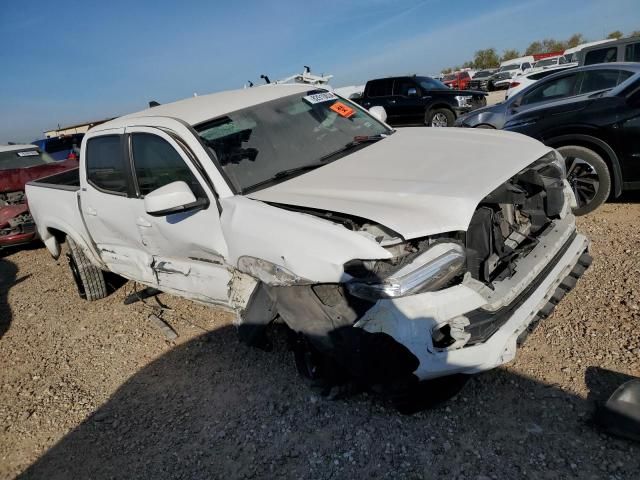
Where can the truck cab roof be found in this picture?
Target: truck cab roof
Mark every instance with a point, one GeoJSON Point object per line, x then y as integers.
{"type": "Point", "coordinates": [195, 110]}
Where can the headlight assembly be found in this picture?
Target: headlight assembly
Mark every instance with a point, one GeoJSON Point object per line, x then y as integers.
{"type": "Point", "coordinates": [464, 100]}
{"type": "Point", "coordinates": [428, 271]}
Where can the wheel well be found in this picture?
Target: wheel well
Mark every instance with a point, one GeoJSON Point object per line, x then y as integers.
{"type": "Point", "coordinates": [59, 235]}
{"type": "Point", "coordinates": [599, 146]}
{"type": "Point", "coordinates": [440, 105]}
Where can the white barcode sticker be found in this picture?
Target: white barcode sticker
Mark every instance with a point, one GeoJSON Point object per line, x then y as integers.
{"type": "Point", "coordinates": [29, 153]}
{"type": "Point", "coordinates": [320, 97]}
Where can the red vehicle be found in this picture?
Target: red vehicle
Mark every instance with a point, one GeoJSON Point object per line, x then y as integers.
{"type": "Point", "coordinates": [18, 165]}
{"type": "Point", "coordinates": [457, 81]}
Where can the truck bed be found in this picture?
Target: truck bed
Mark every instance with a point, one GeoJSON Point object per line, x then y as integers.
{"type": "Point", "coordinates": [54, 205]}
{"type": "Point", "coordinates": [68, 180]}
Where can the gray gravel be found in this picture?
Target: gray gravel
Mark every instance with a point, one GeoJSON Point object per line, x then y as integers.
{"type": "Point", "coordinates": [95, 390]}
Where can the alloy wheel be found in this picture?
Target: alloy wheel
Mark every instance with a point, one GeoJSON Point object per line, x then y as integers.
{"type": "Point", "coordinates": [583, 178]}
{"type": "Point", "coordinates": [439, 120]}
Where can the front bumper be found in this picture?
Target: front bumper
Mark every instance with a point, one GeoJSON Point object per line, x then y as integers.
{"type": "Point", "coordinates": [16, 233]}
{"type": "Point", "coordinates": [511, 308]}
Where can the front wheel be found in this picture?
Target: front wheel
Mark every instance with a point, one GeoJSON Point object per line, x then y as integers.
{"type": "Point", "coordinates": [589, 177]}
{"type": "Point", "coordinates": [440, 117]}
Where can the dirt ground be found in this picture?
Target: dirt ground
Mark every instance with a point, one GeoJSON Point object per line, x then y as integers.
{"type": "Point", "coordinates": [93, 390]}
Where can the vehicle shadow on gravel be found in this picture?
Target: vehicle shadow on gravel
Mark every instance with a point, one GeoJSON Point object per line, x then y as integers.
{"type": "Point", "coordinates": [214, 408]}
{"type": "Point", "coordinates": [8, 273]}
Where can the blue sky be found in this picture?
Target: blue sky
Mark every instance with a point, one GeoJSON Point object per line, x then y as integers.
{"type": "Point", "coordinates": [65, 62]}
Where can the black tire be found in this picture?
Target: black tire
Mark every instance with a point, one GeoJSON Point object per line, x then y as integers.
{"type": "Point", "coordinates": [429, 394]}
{"type": "Point", "coordinates": [589, 177]}
{"type": "Point", "coordinates": [89, 278]}
{"type": "Point", "coordinates": [438, 117]}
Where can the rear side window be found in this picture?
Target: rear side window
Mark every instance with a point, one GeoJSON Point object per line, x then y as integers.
{"type": "Point", "coordinates": [525, 66]}
{"type": "Point", "coordinates": [106, 166]}
{"type": "Point", "coordinates": [157, 164]}
{"type": "Point", "coordinates": [554, 89]}
{"type": "Point", "coordinates": [603, 55]}
{"type": "Point", "coordinates": [632, 52]}
{"type": "Point", "coordinates": [380, 88]}
{"type": "Point", "coordinates": [602, 80]}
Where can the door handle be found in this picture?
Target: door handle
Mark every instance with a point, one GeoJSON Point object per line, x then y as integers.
{"type": "Point", "coordinates": [141, 222]}
{"type": "Point", "coordinates": [90, 211]}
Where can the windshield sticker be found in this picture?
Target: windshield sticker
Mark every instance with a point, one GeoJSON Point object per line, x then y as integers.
{"type": "Point", "coordinates": [342, 109]}
{"type": "Point", "coordinates": [319, 97]}
{"type": "Point", "coordinates": [29, 153]}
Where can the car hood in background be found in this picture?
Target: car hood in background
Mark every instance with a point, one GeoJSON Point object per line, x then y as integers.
{"type": "Point", "coordinates": [418, 182]}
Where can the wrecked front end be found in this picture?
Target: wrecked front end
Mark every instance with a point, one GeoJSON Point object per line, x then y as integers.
{"type": "Point", "coordinates": [452, 303]}
{"type": "Point", "coordinates": [16, 223]}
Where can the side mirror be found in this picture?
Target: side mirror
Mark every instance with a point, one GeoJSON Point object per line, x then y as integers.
{"type": "Point", "coordinates": [378, 112]}
{"type": "Point", "coordinates": [174, 197]}
{"type": "Point", "coordinates": [412, 92]}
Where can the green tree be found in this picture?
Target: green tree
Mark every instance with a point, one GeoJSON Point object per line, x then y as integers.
{"type": "Point", "coordinates": [615, 35]}
{"type": "Point", "coordinates": [635, 33]}
{"type": "Point", "coordinates": [553, 45]}
{"type": "Point", "coordinates": [575, 40]}
{"type": "Point", "coordinates": [486, 58]}
{"type": "Point", "coordinates": [447, 70]}
{"type": "Point", "coordinates": [468, 64]}
{"type": "Point", "coordinates": [509, 54]}
{"type": "Point", "coordinates": [534, 47]}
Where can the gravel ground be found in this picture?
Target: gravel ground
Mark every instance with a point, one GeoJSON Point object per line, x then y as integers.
{"type": "Point", "coordinates": [93, 390]}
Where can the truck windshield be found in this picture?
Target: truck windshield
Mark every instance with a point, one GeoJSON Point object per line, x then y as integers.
{"type": "Point", "coordinates": [23, 158]}
{"type": "Point", "coordinates": [287, 136]}
{"type": "Point", "coordinates": [513, 66]}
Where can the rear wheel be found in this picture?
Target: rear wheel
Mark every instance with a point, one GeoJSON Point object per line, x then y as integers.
{"type": "Point", "coordinates": [440, 117]}
{"type": "Point", "coordinates": [89, 278]}
{"type": "Point", "coordinates": [589, 177]}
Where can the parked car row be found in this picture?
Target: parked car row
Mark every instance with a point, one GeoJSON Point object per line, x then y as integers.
{"type": "Point", "coordinates": [590, 114]}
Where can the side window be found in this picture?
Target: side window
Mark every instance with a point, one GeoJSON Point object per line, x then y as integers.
{"type": "Point", "coordinates": [157, 164]}
{"type": "Point", "coordinates": [558, 88]}
{"type": "Point", "coordinates": [603, 55]}
{"type": "Point", "coordinates": [402, 87]}
{"type": "Point", "coordinates": [525, 66]}
{"type": "Point", "coordinates": [595, 80]}
{"type": "Point", "coordinates": [380, 88]}
{"type": "Point", "coordinates": [106, 166]}
{"type": "Point", "coordinates": [562, 61]}
{"type": "Point", "coordinates": [632, 52]}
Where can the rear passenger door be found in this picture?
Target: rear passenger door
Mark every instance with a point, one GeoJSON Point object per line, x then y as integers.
{"type": "Point", "coordinates": [187, 250]}
{"type": "Point", "coordinates": [379, 93]}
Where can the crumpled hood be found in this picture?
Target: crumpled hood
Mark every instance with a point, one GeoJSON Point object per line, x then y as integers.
{"type": "Point", "coordinates": [418, 182]}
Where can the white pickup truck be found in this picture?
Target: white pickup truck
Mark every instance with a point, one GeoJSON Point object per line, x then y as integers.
{"type": "Point", "coordinates": [397, 256]}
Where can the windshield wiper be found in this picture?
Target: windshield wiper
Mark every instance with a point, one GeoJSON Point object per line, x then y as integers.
{"type": "Point", "coordinates": [284, 174]}
{"type": "Point", "coordinates": [357, 141]}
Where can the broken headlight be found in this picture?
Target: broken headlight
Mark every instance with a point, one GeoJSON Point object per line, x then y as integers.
{"type": "Point", "coordinates": [554, 160]}
{"type": "Point", "coordinates": [428, 271]}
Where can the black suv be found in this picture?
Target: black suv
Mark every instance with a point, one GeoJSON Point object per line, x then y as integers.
{"type": "Point", "coordinates": [419, 100]}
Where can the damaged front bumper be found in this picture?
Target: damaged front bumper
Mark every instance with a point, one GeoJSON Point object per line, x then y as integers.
{"type": "Point", "coordinates": [483, 324]}
{"type": "Point", "coordinates": [16, 225]}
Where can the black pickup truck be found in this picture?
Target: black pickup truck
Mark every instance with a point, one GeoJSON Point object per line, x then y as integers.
{"type": "Point", "coordinates": [419, 100]}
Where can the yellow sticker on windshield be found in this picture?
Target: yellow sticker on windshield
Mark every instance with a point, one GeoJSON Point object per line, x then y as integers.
{"type": "Point", "coordinates": [342, 109]}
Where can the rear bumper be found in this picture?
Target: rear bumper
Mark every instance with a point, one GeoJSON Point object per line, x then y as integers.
{"type": "Point", "coordinates": [541, 280]}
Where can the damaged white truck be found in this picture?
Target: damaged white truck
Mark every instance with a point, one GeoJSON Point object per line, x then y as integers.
{"type": "Point", "coordinates": [397, 257]}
